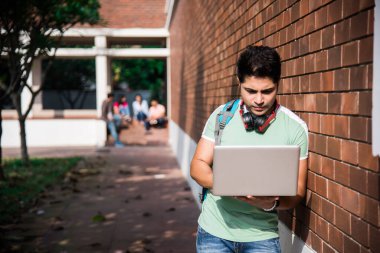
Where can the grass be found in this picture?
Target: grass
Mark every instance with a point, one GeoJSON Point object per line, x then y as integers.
{"type": "Point", "coordinates": [25, 183]}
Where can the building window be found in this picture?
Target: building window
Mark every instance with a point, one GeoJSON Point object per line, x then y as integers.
{"type": "Point", "coordinates": [69, 85]}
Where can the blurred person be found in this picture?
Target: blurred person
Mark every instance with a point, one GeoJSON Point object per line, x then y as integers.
{"type": "Point", "coordinates": [112, 122]}
{"type": "Point", "coordinates": [156, 115]}
{"type": "Point", "coordinates": [140, 109]}
{"type": "Point", "coordinates": [121, 110]}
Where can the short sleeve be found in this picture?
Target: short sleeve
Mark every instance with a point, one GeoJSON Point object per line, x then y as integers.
{"type": "Point", "coordinates": [301, 139]}
{"type": "Point", "coordinates": [209, 128]}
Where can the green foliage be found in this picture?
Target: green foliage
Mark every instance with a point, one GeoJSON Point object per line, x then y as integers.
{"type": "Point", "coordinates": [25, 183]}
{"type": "Point", "coordinates": [140, 74]}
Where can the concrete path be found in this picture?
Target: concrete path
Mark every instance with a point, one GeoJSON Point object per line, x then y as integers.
{"type": "Point", "coordinates": [139, 202]}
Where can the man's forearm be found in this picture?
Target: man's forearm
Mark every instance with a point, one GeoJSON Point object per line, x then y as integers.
{"type": "Point", "coordinates": [201, 172]}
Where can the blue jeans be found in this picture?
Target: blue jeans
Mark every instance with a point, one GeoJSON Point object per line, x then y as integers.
{"type": "Point", "coordinates": [141, 116]}
{"type": "Point", "coordinates": [113, 131]}
{"type": "Point", "coordinates": [207, 243]}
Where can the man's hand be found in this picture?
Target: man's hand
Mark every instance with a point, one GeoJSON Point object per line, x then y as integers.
{"type": "Point", "coordinates": [262, 202]}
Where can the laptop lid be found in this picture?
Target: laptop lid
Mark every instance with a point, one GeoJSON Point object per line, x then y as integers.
{"type": "Point", "coordinates": [255, 170]}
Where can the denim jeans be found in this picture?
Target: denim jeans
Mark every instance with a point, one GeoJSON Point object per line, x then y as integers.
{"type": "Point", "coordinates": [141, 116]}
{"type": "Point", "coordinates": [207, 243]}
{"type": "Point", "coordinates": [113, 131]}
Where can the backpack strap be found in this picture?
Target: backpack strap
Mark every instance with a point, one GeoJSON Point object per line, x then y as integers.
{"type": "Point", "coordinates": [222, 119]}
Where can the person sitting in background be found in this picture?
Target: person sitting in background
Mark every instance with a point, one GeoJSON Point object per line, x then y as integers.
{"type": "Point", "coordinates": [109, 117]}
{"type": "Point", "coordinates": [156, 116]}
{"type": "Point", "coordinates": [140, 109]}
{"type": "Point", "coordinates": [121, 109]}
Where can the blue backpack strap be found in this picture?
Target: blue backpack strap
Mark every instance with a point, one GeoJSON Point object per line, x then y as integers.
{"type": "Point", "coordinates": [222, 119]}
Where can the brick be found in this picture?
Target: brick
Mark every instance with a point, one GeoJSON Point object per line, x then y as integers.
{"type": "Point", "coordinates": [366, 159]}
{"type": "Point", "coordinates": [311, 180]}
{"type": "Point", "coordinates": [314, 5]}
{"type": "Point", "coordinates": [315, 82]}
{"type": "Point", "coordinates": [334, 57]}
{"type": "Point", "coordinates": [366, 50]}
{"type": "Point", "coordinates": [310, 102]}
{"type": "Point", "coordinates": [342, 173]}
{"type": "Point", "coordinates": [350, 7]}
{"type": "Point", "coordinates": [373, 185]}
{"type": "Point", "coordinates": [369, 210]}
{"type": "Point", "coordinates": [304, 45]}
{"type": "Point", "coordinates": [358, 128]}
{"type": "Point", "coordinates": [328, 211]}
{"type": "Point", "coordinates": [321, 18]}
{"type": "Point", "coordinates": [328, 36]}
{"type": "Point", "coordinates": [321, 62]}
{"type": "Point", "coordinates": [303, 84]}
{"type": "Point", "coordinates": [315, 41]}
{"type": "Point", "coordinates": [334, 192]}
{"type": "Point", "coordinates": [336, 238]}
{"type": "Point", "coordinates": [359, 25]}
{"type": "Point", "coordinates": [334, 11]}
{"type": "Point", "coordinates": [334, 102]}
{"type": "Point", "coordinates": [366, 4]}
{"type": "Point", "coordinates": [365, 103]}
{"type": "Point", "coordinates": [342, 79]}
{"type": "Point", "coordinates": [327, 167]}
{"type": "Point", "coordinates": [321, 186]}
{"type": "Point", "coordinates": [310, 63]}
{"type": "Point", "coordinates": [350, 152]}
{"type": "Point", "coordinates": [334, 147]}
{"type": "Point", "coordinates": [374, 242]}
{"type": "Point", "coordinates": [350, 53]}
{"type": "Point", "coordinates": [315, 203]}
{"type": "Point", "coordinates": [341, 126]}
{"type": "Point", "coordinates": [322, 228]}
{"type": "Point", "coordinates": [361, 231]}
{"type": "Point", "coordinates": [350, 200]}
{"type": "Point", "coordinates": [314, 122]}
{"type": "Point", "coordinates": [327, 81]}
{"type": "Point", "coordinates": [350, 103]}
{"type": "Point", "coordinates": [350, 246]}
{"type": "Point", "coordinates": [295, 12]}
{"type": "Point", "coordinates": [342, 220]}
{"type": "Point", "coordinates": [359, 77]}
{"type": "Point", "coordinates": [316, 242]}
{"type": "Point", "coordinates": [321, 144]}
{"type": "Point", "coordinates": [358, 179]}
{"type": "Point", "coordinates": [309, 23]}
{"type": "Point", "coordinates": [327, 248]}
{"type": "Point", "coordinates": [327, 124]}
{"type": "Point", "coordinates": [342, 32]}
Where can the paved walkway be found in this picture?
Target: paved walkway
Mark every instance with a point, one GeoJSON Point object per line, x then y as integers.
{"type": "Point", "coordinates": [140, 194]}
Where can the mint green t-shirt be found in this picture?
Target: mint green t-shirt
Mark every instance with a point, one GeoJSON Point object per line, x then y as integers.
{"type": "Point", "coordinates": [232, 219]}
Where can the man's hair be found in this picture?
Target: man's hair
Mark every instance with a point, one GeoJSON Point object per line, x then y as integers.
{"type": "Point", "coordinates": [110, 95]}
{"type": "Point", "coordinates": [259, 61]}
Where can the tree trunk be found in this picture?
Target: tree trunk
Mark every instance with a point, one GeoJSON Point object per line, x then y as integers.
{"type": "Point", "coordinates": [2, 174]}
{"type": "Point", "coordinates": [24, 147]}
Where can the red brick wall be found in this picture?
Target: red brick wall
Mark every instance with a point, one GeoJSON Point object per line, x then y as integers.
{"type": "Point", "coordinates": [133, 13]}
{"type": "Point", "coordinates": [326, 48]}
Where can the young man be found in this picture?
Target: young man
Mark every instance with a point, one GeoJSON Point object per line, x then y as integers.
{"type": "Point", "coordinates": [249, 223]}
{"type": "Point", "coordinates": [112, 122]}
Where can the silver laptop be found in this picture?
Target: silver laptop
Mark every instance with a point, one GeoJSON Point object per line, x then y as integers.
{"type": "Point", "coordinates": [255, 170]}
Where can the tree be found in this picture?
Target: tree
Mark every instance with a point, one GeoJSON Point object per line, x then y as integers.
{"type": "Point", "coordinates": [31, 29]}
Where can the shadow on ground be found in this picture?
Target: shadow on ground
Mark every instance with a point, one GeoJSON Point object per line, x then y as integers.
{"type": "Point", "coordinates": [138, 203]}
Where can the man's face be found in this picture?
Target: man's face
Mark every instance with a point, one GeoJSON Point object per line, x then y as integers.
{"type": "Point", "coordinates": [258, 94]}
{"type": "Point", "coordinates": [154, 103]}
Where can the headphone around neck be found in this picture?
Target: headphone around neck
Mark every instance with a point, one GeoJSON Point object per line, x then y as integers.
{"type": "Point", "coordinates": [256, 123]}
